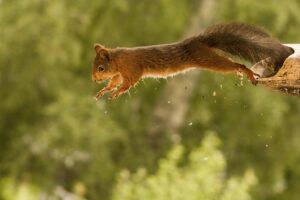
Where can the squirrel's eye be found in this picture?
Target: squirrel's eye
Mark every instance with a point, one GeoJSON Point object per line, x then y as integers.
{"type": "Point", "coordinates": [100, 68]}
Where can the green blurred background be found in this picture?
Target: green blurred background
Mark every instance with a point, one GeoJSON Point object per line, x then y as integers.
{"type": "Point", "coordinates": [195, 136]}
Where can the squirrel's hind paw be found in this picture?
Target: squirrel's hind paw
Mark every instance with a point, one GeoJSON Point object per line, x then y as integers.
{"type": "Point", "coordinates": [253, 80]}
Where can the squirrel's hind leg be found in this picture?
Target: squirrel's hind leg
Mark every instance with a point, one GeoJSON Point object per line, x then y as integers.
{"type": "Point", "coordinates": [239, 68]}
{"type": "Point", "coordinates": [216, 62]}
{"type": "Point", "coordinates": [249, 73]}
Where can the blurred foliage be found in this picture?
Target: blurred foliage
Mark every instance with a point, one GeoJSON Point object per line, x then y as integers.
{"type": "Point", "coordinates": [57, 142]}
{"type": "Point", "coordinates": [203, 176]}
{"type": "Point", "coordinates": [281, 19]}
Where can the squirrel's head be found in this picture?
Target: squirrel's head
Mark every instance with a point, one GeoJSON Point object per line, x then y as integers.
{"type": "Point", "coordinates": [103, 67]}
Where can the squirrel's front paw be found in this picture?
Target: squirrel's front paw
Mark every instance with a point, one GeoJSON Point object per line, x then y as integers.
{"type": "Point", "coordinates": [99, 95]}
{"type": "Point", "coordinates": [117, 93]}
{"type": "Point", "coordinates": [114, 96]}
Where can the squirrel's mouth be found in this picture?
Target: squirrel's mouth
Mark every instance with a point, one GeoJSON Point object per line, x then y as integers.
{"type": "Point", "coordinates": [101, 80]}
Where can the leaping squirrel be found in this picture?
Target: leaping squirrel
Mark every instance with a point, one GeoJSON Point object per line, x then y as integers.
{"type": "Point", "coordinates": [125, 67]}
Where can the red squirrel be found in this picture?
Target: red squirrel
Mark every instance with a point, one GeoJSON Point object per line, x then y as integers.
{"type": "Point", "coordinates": [125, 67]}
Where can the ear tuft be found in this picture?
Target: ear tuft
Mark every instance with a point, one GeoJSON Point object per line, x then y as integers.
{"type": "Point", "coordinates": [102, 51]}
{"type": "Point", "coordinates": [98, 47]}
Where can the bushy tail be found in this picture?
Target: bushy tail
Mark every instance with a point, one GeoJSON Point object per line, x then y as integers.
{"type": "Point", "coordinates": [248, 42]}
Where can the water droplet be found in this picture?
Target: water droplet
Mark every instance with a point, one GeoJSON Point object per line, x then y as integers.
{"type": "Point", "coordinates": [267, 145]}
{"type": "Point", "coordinates": [191, 123]}
{"type": "Point", "coordinates": [169, 102]}
{"type": "Point", "coordinates": [214, 93]}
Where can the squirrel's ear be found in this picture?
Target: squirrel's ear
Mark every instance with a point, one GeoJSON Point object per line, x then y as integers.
{"type": "Point", "coordinates": [102, 51]}
{"type": "Point", "coordinates": [98, 47]}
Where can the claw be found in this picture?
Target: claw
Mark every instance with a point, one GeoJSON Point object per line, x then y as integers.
{"type": "Point", "coordinates": [254, 82]}
{"type": "Point", "coordinates": [99, 95]}
{"type": "Point", "coordinates": [113, 96]}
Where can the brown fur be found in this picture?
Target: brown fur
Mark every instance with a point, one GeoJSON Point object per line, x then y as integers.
{"type": "Point", "coordinates": [124, 67]}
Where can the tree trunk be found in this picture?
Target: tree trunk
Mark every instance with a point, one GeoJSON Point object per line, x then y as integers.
{"type": "Point", "coordinates": [172, 105]}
